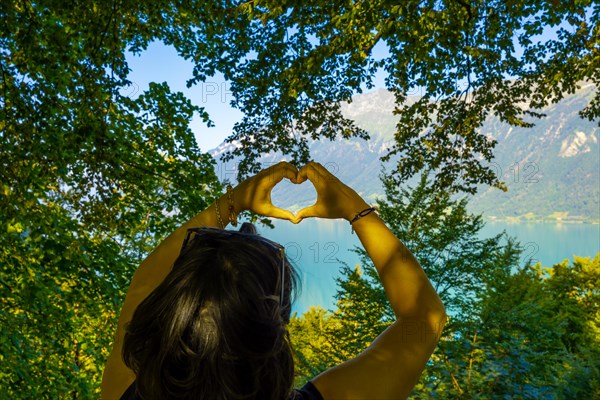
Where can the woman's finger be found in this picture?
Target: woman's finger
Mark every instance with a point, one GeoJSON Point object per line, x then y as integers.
{"type": "Point", "coordinates": [310, 211]}
{"type": "Point", "coordinates": [298, 179]}
{"type": "Point", "coordinates": [280, 213]}
{"type": "Point", "coordinates": [311, 172]}
{"type": "Point", "coordinates": [281, 170]}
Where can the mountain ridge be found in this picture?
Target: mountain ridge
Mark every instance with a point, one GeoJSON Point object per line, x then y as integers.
{"type": "Point", "coordinates": [552, 170]}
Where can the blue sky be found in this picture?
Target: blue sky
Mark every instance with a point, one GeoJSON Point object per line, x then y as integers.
{"type": "Point", "coordinates": [160, 63]}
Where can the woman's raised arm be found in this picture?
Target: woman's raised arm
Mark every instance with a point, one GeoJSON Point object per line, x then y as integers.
{"type": "Point", "coordinates": [392, 364]}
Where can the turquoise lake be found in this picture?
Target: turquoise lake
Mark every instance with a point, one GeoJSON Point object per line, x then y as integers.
{"type": "Point", "coordinates": [318, 246]}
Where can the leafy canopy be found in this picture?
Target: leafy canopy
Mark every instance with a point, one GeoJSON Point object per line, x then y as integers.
{"type": "Point", "coordinates": [291, 63]}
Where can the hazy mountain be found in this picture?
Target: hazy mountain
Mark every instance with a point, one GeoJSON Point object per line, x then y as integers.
{"type": "Point", "coordinates": [551, 170]}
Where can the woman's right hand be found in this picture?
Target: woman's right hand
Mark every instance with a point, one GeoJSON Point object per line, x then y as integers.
{"type": "Point", "coordinates": [334, 198]}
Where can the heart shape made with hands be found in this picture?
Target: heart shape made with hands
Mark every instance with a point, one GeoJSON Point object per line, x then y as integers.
{"type": "Point", "coordinates": [287, 189]}
{"type": "Point", "coordinates": [334, 199]}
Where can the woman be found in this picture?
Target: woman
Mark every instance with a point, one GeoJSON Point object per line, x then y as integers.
{"type": "Point", "coordinates": [207, 320]}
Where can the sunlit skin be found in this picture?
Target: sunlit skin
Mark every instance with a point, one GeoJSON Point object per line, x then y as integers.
{"type": "Point", "coordinates": [392, 364]}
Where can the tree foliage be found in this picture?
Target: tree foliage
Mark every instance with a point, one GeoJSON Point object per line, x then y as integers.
{"type": "Point", "coordinates": [90, 180]}
{"type": "Point", "coordinates": [311, 344]}
{"type": "Point", "coordinates": [291, 63]}
{"type": "Point", "coordinates": [535, 336]}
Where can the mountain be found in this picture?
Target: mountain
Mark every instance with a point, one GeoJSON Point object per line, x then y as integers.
{"type": "Point", "coordinates": [552, 171]}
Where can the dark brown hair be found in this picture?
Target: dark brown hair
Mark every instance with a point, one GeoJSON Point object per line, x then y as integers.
{"type": "Point", "coordinates": [214, 328]}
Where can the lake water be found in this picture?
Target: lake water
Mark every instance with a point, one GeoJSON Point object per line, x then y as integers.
{"type": "Point", "coordinates": [317, 246]}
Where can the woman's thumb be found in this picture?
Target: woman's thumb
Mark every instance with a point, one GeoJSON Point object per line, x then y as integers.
{"type": "Point", "coordinates": [305, 213]}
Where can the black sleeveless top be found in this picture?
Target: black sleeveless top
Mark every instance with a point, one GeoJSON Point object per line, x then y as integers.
{"type": "Point", "coordinates": [306, 392]}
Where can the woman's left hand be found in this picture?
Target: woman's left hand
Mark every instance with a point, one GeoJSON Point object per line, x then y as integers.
{"type": "Point", "coordinates": [254, 193]}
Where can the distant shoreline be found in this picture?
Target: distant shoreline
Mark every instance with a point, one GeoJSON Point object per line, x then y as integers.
{"type": "Point", "coordinates": [520, 219]}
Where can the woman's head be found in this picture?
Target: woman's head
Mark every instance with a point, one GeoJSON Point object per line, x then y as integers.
{"type": "Point", "coordinates": [216, 327]}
